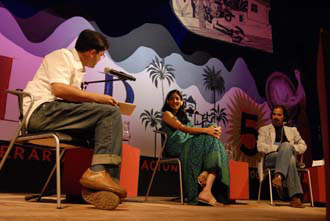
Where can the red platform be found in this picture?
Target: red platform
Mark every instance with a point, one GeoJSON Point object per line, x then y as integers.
{"type": "Point", "coordinates": [239, 180]}
{"type": "Point", "coordinates": [129, 173]}
{"type": "Point", "coordinates": [76, 161]}
{"type": "Point", "coordinates": [318, 183]}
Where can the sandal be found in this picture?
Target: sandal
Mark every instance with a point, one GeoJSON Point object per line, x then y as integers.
{"type": "Point", "coordinates": [211, 202]}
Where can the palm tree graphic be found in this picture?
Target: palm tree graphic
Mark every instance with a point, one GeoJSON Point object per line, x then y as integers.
{"type": "Point", "coordinates": [214, 81]}
{"type": "Point", "coordinates": [219, 115]}
{"type": "Point", "coordinates": [158, 70]}
{"type": "Point", "coordinates": [238, 5]}
{"type": "Point", "coordinates": [151, 118]}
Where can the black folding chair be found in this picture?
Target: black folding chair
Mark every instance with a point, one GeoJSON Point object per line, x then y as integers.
{"type": "Point", "coordinates": [262, 172]}
{"type": "Point", "coordinates": [162, 159]}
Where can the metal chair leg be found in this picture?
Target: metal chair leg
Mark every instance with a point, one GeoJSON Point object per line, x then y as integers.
{"type": "Point", "coordinates": [58, 172]}
{"type": "Point", "coordinates": [259, 192]}
{"type": "Point", "coordinates": [181, 189]}
{"type": "Point", "coordinates": [310, 188]}
{"type": "Point", "coordinates": [270, 187]}
{"type": "Point", "coordinates": [11, 145]}
{"type": "Point", "coordinates": [51, 175]}
{"type": "Point", "coordinates": [41, 194]}
{"type": "Point", "coordinates": [4, 158]}
{"type": "Point", "coordinates": [152, 179]}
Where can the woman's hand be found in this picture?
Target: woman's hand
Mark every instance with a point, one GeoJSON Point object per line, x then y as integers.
{"type": "Point", "coordinates": [214, 131]}
{"type": "Point", "coordinates": [173, 122]}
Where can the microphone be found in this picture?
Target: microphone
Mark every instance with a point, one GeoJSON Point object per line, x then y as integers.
{"type": "Point", "coordinates": [121, 75]}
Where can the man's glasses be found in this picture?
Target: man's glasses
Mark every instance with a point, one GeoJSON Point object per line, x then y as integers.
{"type": "Point", "coordinates": [102, 55]}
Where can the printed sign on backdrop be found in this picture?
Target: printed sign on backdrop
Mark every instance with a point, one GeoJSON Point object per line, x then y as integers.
{"type": "Point", "coordinates": [242, 22]}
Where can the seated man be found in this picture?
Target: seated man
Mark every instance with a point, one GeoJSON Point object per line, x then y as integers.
{"type": "Point", "coordinates": [280, 144]}
{"type": "Point", "coordinates": [60, 105]}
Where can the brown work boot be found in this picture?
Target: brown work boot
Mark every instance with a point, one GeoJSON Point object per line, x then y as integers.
{"type": "Point", "coordinates": [101, 181]}
{"type": "Point", "coordinates": [100, 199]}
{"type": "Point", "coordinates": [296, 202]}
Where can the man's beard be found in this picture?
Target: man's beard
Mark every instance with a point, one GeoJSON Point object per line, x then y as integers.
{"type": "Point", "coordinates": [277, 122]}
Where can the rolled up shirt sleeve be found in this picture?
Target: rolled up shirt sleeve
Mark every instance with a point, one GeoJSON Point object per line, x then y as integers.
{"type": "Point", "coordinates": [58, 67]}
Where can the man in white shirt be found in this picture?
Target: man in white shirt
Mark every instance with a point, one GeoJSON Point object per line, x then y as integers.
{"type": "Point", "coordinates": [280, 144]}
{"type": "Point", "coordinates": [60, 105]}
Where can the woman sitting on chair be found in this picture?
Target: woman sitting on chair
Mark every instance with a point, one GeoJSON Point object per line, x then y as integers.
{"type": "Point", "coordinates": [204, 160]}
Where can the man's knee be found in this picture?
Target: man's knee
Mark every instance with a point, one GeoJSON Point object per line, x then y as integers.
{"type": "Point", "coordinates": [293, 161]}
{"type": "Point", "coordinates": [112, 113]}
{"type": "Point", "coordinates": [107, 109]}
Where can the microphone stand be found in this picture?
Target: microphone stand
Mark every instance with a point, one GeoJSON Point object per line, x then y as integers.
{"type": "Point", "coordinates": [84, 84]}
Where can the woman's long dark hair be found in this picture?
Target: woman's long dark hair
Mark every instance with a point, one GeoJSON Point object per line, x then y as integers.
{"type": "Point", "coordinates": [181, 114]}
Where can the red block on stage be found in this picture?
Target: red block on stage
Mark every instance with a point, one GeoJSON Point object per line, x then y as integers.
{"type": "Point", "coordinates": [239, 180]}
{"type": "Point", "coordinates": [318, 183]}
{"type": "Point", "coordinates": [129, 172]}
{"type": "Point", "coordinates": [76, 161]}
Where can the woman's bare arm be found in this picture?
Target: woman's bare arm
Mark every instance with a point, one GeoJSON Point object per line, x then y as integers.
{"type": "Point", "coordinates": [172, 121]}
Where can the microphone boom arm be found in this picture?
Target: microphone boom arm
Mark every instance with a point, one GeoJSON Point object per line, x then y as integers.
{"type": "Point", "coordinates": [121, 76]}
{"type": "Point", "coordinates": [84, 84]}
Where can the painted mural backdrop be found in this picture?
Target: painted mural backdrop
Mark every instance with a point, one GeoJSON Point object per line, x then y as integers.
{"type": "Point", "coordinates": [242, 22]}
{"type": "Point", "coordinates": [213, 93]}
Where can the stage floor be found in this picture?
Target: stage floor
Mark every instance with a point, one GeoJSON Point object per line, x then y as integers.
{"type": "Point", "coordinates": [14, 207]}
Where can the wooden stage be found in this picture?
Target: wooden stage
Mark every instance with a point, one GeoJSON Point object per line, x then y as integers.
{"type": "Point", "coordinates": [14, 207]}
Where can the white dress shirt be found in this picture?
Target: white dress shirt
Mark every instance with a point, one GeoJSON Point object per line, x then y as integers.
{"type": "Point", "coordinates": [60, 66]}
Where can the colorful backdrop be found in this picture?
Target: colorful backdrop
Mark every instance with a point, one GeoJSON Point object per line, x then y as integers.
{"type": "Point", "coordinates": [222, 82]}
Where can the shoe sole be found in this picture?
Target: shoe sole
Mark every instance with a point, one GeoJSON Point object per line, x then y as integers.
{"type": "Point", "coordinates": [106, 200]}
{"type": "Point", "coordinates": [88, 195]}
{"type": "Point", "coordinates": [297, 206]}
{"type": "Point", "coordinates": [91, 185]}
{"type": "Point", "coordinates": [101, 199]}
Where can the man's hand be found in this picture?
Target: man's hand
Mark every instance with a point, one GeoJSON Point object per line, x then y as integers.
{"type": "Point", "coordinates": [105, 99]}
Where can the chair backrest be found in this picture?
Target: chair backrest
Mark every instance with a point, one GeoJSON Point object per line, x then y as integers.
{"type": "Point", "coordinates": [164, 137]}
{"type": "Point", "coordinates": [163, 142]}
{"type": "Point", "coordinates": [21, 116]}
